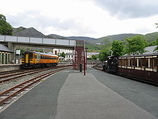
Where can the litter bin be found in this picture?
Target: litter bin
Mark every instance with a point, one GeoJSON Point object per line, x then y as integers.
{"type": "Point", "coordinates": [80, 67]}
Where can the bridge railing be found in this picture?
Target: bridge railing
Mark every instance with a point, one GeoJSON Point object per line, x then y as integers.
{"type": "Point", "coordinates": [5, 38]}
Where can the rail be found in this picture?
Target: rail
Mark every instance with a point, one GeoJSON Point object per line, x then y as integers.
{"type": "Point", "coordinates": [14, 91]}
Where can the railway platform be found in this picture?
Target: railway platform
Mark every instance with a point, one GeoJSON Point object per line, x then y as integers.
{"type": "Point", "coordinates": [9, 67]}
{"type": "Point", "coordinates": [71, 95]}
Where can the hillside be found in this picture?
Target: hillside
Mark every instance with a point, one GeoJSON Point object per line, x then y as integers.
{"type": "Point", "coordinates": [151, 36]}
{"type": "Point", "coordinates": [27, 32]}
{"type": "Point", "coordinates": [72, 37]}
{"type": "Point", "coordinates": [55, 36]}
{"type": "Point", "coordinates": [120, 37]}
{"type": "Point", "coordinates": [91, 43]}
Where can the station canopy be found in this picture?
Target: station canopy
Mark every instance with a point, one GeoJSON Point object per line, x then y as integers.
{"type": "Point", "coordinates": [3, 48]}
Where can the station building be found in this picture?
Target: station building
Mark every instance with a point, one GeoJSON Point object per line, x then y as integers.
{"type": "Point", "coordinates": [5, 55]}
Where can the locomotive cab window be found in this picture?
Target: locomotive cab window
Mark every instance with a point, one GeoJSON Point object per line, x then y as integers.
{"type": "Point", "coordinates": [31, 56]}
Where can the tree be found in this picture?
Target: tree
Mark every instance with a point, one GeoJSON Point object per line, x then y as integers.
{"type": "Point", "coordinates": [135, 45]}
{"type": "Point", "coordinates": [2, 17]}
{"type": "Point", "coordinates": [94, 57]}
{"type": "Point", "coordinates": [62, 54]}
{"type": "Point", "coordinates": [5, 27]}
{"type": "Point", "coordinates": [117, 48]}
{"type": "Point", "coordinates": [104, 54]}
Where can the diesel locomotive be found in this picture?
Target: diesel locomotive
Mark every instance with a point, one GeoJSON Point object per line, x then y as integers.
{"type": "Point", "coordinates": [144, 67]}
{"type": "Point", "coordinates": [31, 59]}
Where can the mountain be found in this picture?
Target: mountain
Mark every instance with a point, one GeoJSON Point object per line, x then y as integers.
{"type": "Point", "coordinates": [93, 44]}
{"type": "Point", "coordinates": [55, 36]}
{"type": "Point", "coordinates": [120, 37]}
{"type": "Point", "coordinates": [71, 37]}
{"type": "Point", "coordinates": [81, 38]}
{"type": "Point", "coordinates": [27, 32]}
{"type": "Point", "coordinates": [17, 30]}
{"type": "Point", "coordinates": [32, 32]}
{"type": "Point", "coordinates": [151, 36]}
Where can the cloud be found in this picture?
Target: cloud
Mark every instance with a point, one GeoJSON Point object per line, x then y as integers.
{"type": "Point", "coordinates": [125, 9]}
{"type": "Point", "coordinates": [48, 24]}
{"type": "Point", "coordinates": [94, 18]}
{"type": "Point", "coordinates": [70, 17]}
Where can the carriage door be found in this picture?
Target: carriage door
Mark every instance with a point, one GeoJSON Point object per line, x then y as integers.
{"type": "Point", "coordinates": [26, 58]}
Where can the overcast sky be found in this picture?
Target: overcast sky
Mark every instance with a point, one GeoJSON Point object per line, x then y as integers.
{"type": "Point", "coordinates": [92, 18]}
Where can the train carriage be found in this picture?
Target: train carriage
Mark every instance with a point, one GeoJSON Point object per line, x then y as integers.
{"type": "Point", "coordinates": [140, 66]}
{"type": "Point", "coordinates": [143, 67]}
{"type": "Point", "coordinates": [32, 59]}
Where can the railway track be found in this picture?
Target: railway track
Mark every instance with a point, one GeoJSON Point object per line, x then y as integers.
{"type": "Point", "coordinates": [21, 73]}
{"type": "Point", "coordinates": [9, 95]}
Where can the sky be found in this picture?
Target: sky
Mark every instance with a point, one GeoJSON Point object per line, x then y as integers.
{"type": "Point", "coordinates": [91, 18]}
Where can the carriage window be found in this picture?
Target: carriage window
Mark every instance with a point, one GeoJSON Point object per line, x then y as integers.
{"type": "Point", "coordinates": [134, 62]}
{"type": "Point", "coordinates": [139, 62]}
{"type": "Point", "coordinates": [146, 62]}
{"type": "Point", "coordinates": [155, 62]}
{"type": "Point", "coordinates": [126, 62]}
{"type": "Point", "coordinates": [143, 62]}
{"type": "Point", "coordinates": [35, 56]}
{"type": "Point", "coordinates": [120, 62]}
{"type": "Point", "coordinates": [151, 62]}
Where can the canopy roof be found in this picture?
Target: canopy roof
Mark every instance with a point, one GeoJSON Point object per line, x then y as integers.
{"type": "Point", "coordinates": [4, 49]}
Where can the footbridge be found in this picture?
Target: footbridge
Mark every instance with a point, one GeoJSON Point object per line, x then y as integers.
{"type": "Point", "coordinates": [77, 45]}
{"type": "Point", "coordinates": [13, 41]}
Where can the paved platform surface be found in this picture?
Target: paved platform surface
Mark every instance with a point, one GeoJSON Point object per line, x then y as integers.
{"type": "Point", "coordinates": [71, 95]}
